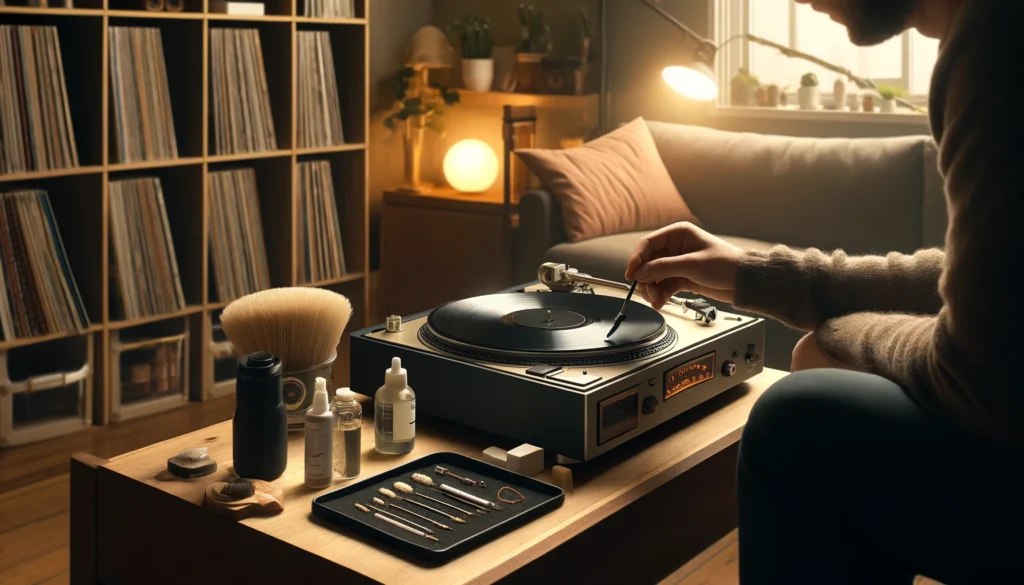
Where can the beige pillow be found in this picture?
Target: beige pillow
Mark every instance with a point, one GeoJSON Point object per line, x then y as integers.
{"type": "Point", "coordinates": [614, 184]}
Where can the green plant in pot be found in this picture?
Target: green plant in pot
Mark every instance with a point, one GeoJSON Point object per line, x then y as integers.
{"type": "Point", "coordinates": [743, 88]}
{"type": "Point", "coordinates": [809, 95]}
{"type": "Point", "coordinates": [474, 33]}
{"type": "Point", "coordinates": [418, 106]}
{"type": "Point", "coordinates": [534, 46]}
{"type": "Point", "coordinates": [888, 95]}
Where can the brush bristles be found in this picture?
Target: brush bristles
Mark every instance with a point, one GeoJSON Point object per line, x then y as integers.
{"type": "Point", "coordinates": [300, 325]}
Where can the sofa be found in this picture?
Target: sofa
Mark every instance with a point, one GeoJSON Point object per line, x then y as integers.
{"type": "Point", "coordinates": [864, 196]}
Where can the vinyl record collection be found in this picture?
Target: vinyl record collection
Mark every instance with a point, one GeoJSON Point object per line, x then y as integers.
{"type": "Point", "coordinates": [319, 108]}
{"type": "Point", "coordinates": [322, 254]}
{"type": "Point", "coordinates": [140, 95]}
{"type": "Point", "coordinates": [143, 263]}
{"type": "Point", "coordinates": [238, 255]}
{"type": "Point", "coordinates": [240, 101]}
{"type": "Point", "coordinates": [40, 294]}
{"type": "Point", "coordinates": [36, 130]}
{"type": "Point", "coordinates": [329, 9]}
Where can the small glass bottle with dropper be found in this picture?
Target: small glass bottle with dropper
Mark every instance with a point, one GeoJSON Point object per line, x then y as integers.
{"type": "Point", "coordinates": [348, 429]}
{"type": "Point", "coordinates": [394, 413]}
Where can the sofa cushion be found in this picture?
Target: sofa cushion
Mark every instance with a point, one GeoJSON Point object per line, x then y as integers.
{"type": "Point", "coordinates": [611, 185]}
{"type": "Point", "coordinates": [864, 195]}
{"type": "Point", "coordinates": [606, 257]}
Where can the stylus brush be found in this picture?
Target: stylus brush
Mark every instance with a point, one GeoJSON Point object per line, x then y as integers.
{"type": "Point", "coordinates": [622, 312]}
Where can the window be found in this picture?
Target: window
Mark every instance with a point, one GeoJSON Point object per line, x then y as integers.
{"type": "Point", "coordinates": [905, 61]}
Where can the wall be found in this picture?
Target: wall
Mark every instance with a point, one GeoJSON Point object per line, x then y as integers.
{"type": "Point", "coordinates": [392, 24]}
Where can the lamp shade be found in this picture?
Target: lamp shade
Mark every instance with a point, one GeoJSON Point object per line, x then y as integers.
{"type": "Point", "coordinates": [429, 48]}
{"type": "Point", "coordinates": [471, 166]}
{"type": "Point", "coordinates": [694, 80]}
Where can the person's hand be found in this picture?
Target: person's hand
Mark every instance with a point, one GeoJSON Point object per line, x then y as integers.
{"type": "Point", "coordinates": [684, 258]}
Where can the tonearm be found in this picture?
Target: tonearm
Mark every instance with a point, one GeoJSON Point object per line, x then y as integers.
{"type": "Point", "coordinates": [562, 278]}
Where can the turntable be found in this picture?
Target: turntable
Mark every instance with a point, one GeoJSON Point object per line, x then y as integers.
{"type": "Point", "coordinates": [534, 364]}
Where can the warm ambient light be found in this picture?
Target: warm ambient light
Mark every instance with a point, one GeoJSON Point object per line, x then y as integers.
{"type": "Point", "coordinates": [471, 166]}
{"type": "Point", "coordinates": [691, 83]}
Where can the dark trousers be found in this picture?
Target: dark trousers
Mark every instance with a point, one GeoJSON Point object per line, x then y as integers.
{"type": "Point", "coordinates": [844, 479]}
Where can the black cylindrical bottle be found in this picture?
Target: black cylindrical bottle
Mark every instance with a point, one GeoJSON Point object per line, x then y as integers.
{"type": "Point", "coordinates": [260, 425]}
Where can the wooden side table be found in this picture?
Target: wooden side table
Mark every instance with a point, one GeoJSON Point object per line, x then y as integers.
{"type": "Point", "coordinates": [442, 246]}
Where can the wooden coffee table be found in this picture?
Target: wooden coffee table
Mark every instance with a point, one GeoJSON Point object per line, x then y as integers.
{"type": "Point", "coordinates": [637, 513]}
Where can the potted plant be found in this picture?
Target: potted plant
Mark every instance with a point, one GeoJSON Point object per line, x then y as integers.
{"type": "Point", "coordinates": [888, 94]}
{"type": "Point", "coordinates": [418, 105]}
{"type": "Point", "coordinates": [534, 46]}
{"type": "Point", "coordinates": [586, 33]}
{"type": "Point", "coordinates": [474, 34]}
{"type": "Point", "coordinates": [869, 101]}
{"type": "Point", "coordinates": [809, 95]}
{"type": "Point", "coordinates": [743, 88]}
{"type": "Point", "coordinates": [773, 92]}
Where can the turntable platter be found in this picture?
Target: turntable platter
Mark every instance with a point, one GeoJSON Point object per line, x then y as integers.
{"type": "Point", "coordinates": [554, 328]}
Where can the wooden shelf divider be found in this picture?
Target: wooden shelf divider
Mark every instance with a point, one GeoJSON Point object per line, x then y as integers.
{"type": "Point", "coordinates": [82, 212]}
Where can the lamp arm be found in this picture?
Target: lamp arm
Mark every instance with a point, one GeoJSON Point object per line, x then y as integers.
{"type": "Point", "coordinates": [862, 82]}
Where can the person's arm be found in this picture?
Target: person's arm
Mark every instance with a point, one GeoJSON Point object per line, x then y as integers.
{"type": "Point", "coordinates": [961, 364]}
{"type": "Point", "coordinates": [804, 289]}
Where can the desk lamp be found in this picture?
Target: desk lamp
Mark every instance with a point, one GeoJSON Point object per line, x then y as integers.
{"type": "Point", "coordinates": [694, 77]}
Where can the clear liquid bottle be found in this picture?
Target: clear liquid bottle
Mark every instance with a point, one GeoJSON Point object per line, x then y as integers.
{"type": "Point", "coordinates": [394, 413]}
{"type": "Point", "coordinates": [348, 432]}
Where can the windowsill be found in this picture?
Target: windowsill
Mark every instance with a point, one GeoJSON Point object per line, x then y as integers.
{"type": "Point", "coordinates": [903, 117]}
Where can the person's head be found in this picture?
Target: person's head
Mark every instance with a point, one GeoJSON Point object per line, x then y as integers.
{"type": "Point", "coordinates": [869, 22]}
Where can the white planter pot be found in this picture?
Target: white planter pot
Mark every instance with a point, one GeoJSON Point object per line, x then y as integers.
{"type": "Point", "coordinates": [853, 102]}
{"type": "Point", "coordinates": [839, 94]}
{"type": "Point", "coordinates": [478, 74]}
{"type": "Point", "coordinates": [810, 98]}
{"type": "Point", "coordinates": [887, 106]}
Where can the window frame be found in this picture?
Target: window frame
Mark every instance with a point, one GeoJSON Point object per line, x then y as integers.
{"type": "Point", "coordinates": [732, 17]}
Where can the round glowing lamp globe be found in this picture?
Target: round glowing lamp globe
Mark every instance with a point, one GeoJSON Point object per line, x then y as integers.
{"type": "Point", "coordinates": [471, 166]}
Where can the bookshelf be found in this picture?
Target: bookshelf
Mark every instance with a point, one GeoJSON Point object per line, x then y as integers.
{"type": "Point", "coordinates": [80, 196]}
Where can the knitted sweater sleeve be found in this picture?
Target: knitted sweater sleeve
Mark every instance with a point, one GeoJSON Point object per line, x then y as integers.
{"type": "Point", "coordinates": [957, 363]}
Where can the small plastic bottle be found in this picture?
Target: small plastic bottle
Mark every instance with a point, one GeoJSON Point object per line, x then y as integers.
{"type": "Point", "coordinates": [348, 432]}
{"type": "Point", "coordinates": [319, 421]}
{"type": "Point", "coordinates": [394, 413]}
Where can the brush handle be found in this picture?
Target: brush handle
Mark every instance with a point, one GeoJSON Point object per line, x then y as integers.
{"type": "Point", "coordinates": [448, 489]}
{"type": "Point", "coordinates": [404, 527]}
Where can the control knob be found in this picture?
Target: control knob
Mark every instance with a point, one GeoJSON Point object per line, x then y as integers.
{"type": "Point", "coordinates": [729, 368]}
{"type": "Point", "coordinates": [650, 404]}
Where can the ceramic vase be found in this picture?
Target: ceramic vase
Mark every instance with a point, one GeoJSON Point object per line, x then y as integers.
{"type": "Point", "coordinates": [773, 96]}
{"type": "Point", "coordinates": [887, 106]}
{"type": "Point", "coordinates": [478, 74]}
{"type": "Point", "coordinates": [839, 93]}
{"type": "Point", "coordinates": [853, 102]}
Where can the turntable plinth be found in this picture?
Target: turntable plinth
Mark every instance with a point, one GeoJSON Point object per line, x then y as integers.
{"type": "Point", "coordinates": [537, 366]}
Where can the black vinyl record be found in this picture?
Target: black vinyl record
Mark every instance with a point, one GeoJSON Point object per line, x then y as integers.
{"type": "Point", "coordinates": [545, 327]}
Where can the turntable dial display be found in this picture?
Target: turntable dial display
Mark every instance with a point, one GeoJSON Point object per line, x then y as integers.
{"type": "Point", "coordinates": [688, 375]}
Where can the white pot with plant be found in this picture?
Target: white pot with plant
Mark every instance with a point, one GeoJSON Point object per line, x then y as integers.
{"type": "Point", "coordinates": [888, 95]}
{"type": "Point", "coordinates": [809, 95]}
{"type": "Point", "coordinates": [474, 34]}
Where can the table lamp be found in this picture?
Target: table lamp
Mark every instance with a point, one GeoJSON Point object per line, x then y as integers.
{"type": "Point", "coordinates": [694, 76]}
{"type": "Point", "coordinates": [428, 49]}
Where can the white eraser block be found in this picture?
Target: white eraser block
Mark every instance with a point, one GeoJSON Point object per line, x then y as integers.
{"type": "Point", "coordinates": [495, 456]}
{"type": "Point", "coordinates": [562, 477]}
{"type": "Point", "coordinates": [525, 459]}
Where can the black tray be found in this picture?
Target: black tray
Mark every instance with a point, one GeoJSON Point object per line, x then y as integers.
{"type": "Point", "coordinates": [339, 506]}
